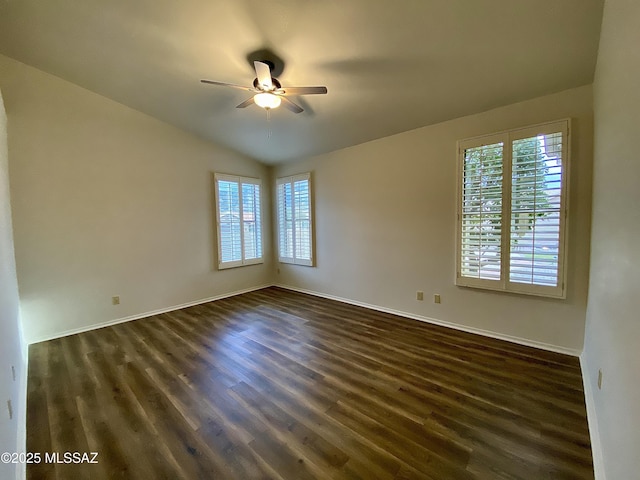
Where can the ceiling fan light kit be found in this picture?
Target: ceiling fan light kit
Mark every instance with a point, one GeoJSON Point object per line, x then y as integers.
{"type": "Point", "coordinates": [267, 100]}
{"type": "Point", "coordinates": [269, 93]}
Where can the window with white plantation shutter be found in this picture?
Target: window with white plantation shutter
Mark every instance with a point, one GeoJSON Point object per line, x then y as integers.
{"type": "Point", "coordinates": [239, 221]}
{"type": "Point", "coordinates": [512, 210]}
{"type": "Point", "coordinates": [295, 240]}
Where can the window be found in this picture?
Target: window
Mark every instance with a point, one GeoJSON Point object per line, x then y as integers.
{"type": "Point", "coordinates": [239, 224]}
{"type": "Point", "coordinates": [294, 219]}
{"type": "Point", "coordinates": [512, 210]}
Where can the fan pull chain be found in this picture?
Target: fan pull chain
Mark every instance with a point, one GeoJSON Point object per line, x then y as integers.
{"type": "Point", "coordinates": [268, 123]}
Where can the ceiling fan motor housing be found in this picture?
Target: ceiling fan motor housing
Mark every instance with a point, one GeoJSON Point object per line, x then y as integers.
{"type": "Point", "coordinates": [274, 81]}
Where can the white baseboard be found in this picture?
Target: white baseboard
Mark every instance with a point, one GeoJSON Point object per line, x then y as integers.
{"type": "Point", "coordinates": [21, 416]}
{"type": "Point", "coordinates": [442, 323]}
{"type": "Point", "coordinates": [487, 333]}
{"type": "Point", "coordinates": [594, 432]}
{"type": "Point", "coordinates": [108, 323]}
{"type": "Point", "coordinates": [435, 321]}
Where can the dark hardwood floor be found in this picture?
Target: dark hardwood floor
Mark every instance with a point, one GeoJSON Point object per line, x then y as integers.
{"type": "Point", "coordinates": [277, 384]}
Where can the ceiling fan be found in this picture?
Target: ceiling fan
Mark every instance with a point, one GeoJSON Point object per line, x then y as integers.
{"type": "Point", "coordinates": [269, 93]}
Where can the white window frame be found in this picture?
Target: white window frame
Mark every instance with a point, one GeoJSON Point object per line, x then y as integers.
{"type": "Point", "coordinates": [507, 137]}
{"type": "Point", "coordinates": [240, 181]}
{"type": "Point", "coordinates": [294, 259]}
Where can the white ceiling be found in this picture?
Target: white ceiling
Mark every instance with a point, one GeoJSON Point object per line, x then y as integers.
{"type": "Point", "coordinates": [390, 66]}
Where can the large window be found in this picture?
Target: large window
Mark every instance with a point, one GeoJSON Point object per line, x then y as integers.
{"type": "Point", "coordinates": [295, 244]}
{"type": "Point", "coordinates": [512, 210]}
{"type": "Point", "coordinates": [239, 224]}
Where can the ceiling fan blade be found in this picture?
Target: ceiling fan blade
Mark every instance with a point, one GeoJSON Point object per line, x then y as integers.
{"type": "Point", "coordinates": [289, 105]}
{"type": "Point", "coordinates": [222, 84]}
{"type": "Point", "coordinates": [302, 90]}
{"type": "Point", "coordinates": [246, 103]}
{"type": "Point", "coordinates": [263, 72]}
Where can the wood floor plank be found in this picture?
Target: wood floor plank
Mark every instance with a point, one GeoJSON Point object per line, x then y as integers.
{"type": "Point", "coordinates": [282, 385]}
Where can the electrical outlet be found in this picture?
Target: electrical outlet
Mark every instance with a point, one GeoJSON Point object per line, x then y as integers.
{"type": "Point", "coordinates": [10, 408]}
{"type": "Point", "coordinates": [115, 300]}
{"type": "Point", "coordinates": [13, 372]}
{"type": "Point", "coordinates": [420, 296]}
{"type": "Point", "coordinates": [599, 379]}
{"type": "Point", "coordinates": [436, 298]}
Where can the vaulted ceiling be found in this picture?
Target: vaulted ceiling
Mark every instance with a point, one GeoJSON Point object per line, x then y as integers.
{"type": "Point", "coordinates": [389, 66]}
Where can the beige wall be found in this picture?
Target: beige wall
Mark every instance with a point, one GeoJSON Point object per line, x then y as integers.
{"type": "Point", "coordinates": [385, 226]}
{"type": "Point", "coordinates": [12, 351]}
{"type": "Point", "coordinates": [108, 201]}
{"type": "Point", "coordinates": [613, 318]}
